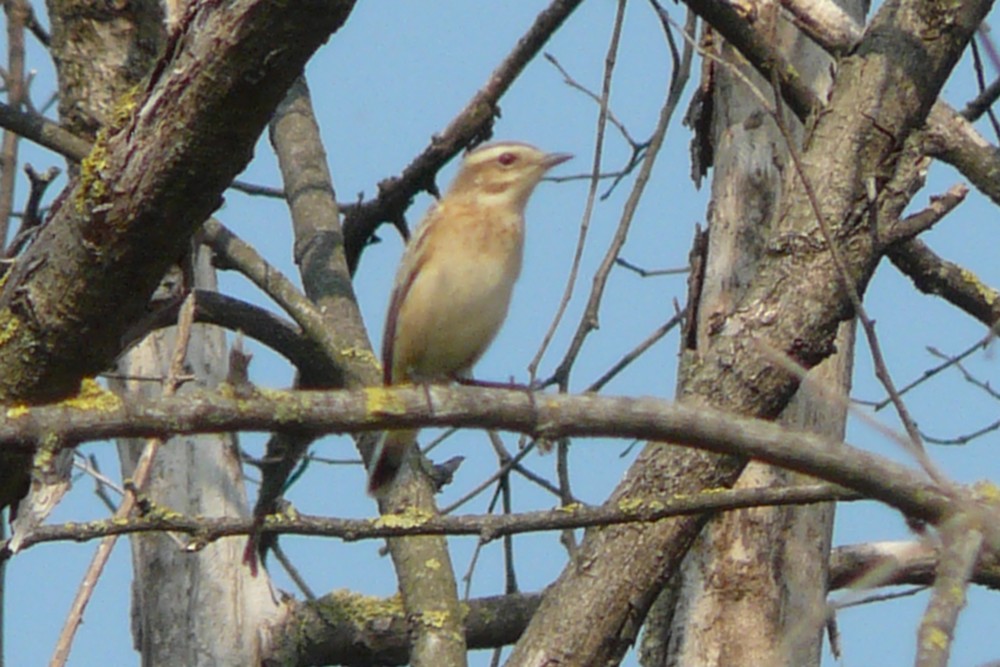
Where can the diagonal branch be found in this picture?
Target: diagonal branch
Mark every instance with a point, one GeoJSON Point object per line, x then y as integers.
{"type": "Point", "coordinates": [959, 553]}
{"type": "Point", "coordinates": [157, 172]}
{"type": "Point", "coordinates": [472, 125]}
{"type": "Point", "coordinates": [794, 304]}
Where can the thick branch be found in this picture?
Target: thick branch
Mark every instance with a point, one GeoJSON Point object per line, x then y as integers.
{"type": "Point", "coordinates": [949, 136]}
{"type": "Point", "coordinates": [156, 174]}
{"type": "Point", "coordinates": [44, 132]}
{"type": "Point", "coordinates": [933, 274]}
{"type": "Point", "coordinates": [377, 627]}
{"type": "Point", "coordinates": [792, 309]}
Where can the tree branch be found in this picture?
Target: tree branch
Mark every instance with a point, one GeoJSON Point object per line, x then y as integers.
{"type": "Point", "coordinates": [791, 311]}
{"type": "Point", "coordinates": [550, 416]}
{"type": "Point", "coordinates": [472, 125]}
{"type": "Point", "coordinates": [157, 172]}
{"type": "Point", "coordinates": [957, 285]}
{"type": "Point", "coordinates": [487, 527]}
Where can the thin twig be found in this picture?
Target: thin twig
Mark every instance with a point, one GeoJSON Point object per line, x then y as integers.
{"type": "Point", "coordinates": [638, 149]}
{"type": "Point", "coordinates": [977, 67]}
{"type": "Point", "coordinates": [602, 121]}
{"type": "Point", "coordinates": [636, 352]}
{"type": "Point", "coordinates": [650, 273]}
{"type": "Point", "coordinates": [981, 104]}
{"type": "Point", "coordinates": [467, 577]}
{"type": "Point", "coordinates": [931, 372]}
{"type": "Point", "coordinates": [969, 377]}
{"type": "Point", "coordinates": [488, 482]}
{"type": "Point", "coordinates": [509, 573]}
{"type": "Point", "coordinates": [37, 29]}
{"type": "Point", "coordinates": [485, 526]}
{"type": "Point", "coordinates": [568, 537]}
{"type": "Point", "coordinates": [520, 469]}
{"type": "Point", "coordinates": [88, 465]}
{"type": "Point", "coordinates": [963, 439]}
{"type": "Point", "coordinates": [140, 477]}
{"type": "Point", "coordinates": [589, 319]}
{"type": "Point", "coordinates": [881, 597]}
{"type": "Point", "coordinates": [258, 190]}
{"type": "Point", "coordinates": [17, 12]}
{"type": "Point", "coordinates": [293, 572]}
{"type": "Point", "coordinates": [32, 218]}
{"type": "Point", "coordinates": [576, 85]}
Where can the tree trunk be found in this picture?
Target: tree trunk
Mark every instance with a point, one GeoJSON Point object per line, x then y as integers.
{"type": "Point", "coordinates": [752, 590]}
{"type": "Point", "coordinates": [199, 608]}
{"type": "Point", "coordinates": [189, 608]}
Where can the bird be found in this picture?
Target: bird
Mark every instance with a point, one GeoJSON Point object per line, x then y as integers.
{"type": "Point", "coordinates": [455, 280]}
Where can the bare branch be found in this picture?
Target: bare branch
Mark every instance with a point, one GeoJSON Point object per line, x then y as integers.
{"type": "Point", "coordinates": [140, 477]}
{"type": "Point", "coordinates": [472, 125]}
{"type": "Point", "coordinates": [957, 285]}
{"type": "Point", "coordinates": [557, 416]}
{"type": "Point", "coordinates": [486, 527]}
{"type": "Point", "coordinates": [829, 25]}
{"type": "Point", "coordinates": [44, 132]}
{"type": "Point", "coordinates": [960, 550]}
{"type": "Point", "coordinates": [581, 240]}
{"type": "Point", "coordinates": [940, 206]}
{"type": "Point", "coordinates": [589, 319]}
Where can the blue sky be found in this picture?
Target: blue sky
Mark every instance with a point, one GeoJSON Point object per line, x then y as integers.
{"type": "Point", "coordinates": [395, 75]}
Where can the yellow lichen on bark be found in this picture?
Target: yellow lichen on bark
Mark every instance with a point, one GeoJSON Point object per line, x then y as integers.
{"type": "Point", "coordinates": [92, 396]}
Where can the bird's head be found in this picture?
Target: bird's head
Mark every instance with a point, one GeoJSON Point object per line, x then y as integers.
{"type": "Point", "coordinates": [504, 173]}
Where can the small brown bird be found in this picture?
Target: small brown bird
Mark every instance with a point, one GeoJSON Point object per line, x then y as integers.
{"type": "Point", "coordinates": [455, 280]}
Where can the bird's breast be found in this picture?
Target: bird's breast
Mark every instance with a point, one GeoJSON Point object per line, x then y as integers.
{"type": "Point", "coordinates": [459, 299]}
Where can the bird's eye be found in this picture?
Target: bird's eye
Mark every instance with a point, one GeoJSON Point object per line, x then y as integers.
{"type": "Point", "coordinates": [507, 159]}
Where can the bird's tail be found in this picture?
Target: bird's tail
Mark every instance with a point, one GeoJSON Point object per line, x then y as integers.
{"type": "Point", "coordinates": [387, 460]}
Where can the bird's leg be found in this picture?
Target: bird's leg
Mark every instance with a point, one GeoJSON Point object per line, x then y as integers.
{"type": "Point", "coordinates": [427, 396]}
{"type": "Point", "coordinates": [488, 384]}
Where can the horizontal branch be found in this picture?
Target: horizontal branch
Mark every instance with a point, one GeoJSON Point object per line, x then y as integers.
{"type": "Point", "coordinates": [375, 630]}
{"type": "Point", "coordinates": [44, 132]}
{"type": "Point", "coordinates": [343, 628]}
{"type": "Point", "coordinates": [488, 526]}
{"type": "Point", "coordinates": [540, 415]}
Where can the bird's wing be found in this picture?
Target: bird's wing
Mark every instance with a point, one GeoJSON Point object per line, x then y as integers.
{"type": "Point", "coordinates": [409, 267]}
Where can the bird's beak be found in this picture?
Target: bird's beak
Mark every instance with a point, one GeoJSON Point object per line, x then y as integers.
{"type": "Point", "coordinates": [553, 159]}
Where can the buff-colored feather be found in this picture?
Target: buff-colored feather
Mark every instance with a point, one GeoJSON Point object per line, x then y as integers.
{"type": "Point", "coordinates": [455, 280]}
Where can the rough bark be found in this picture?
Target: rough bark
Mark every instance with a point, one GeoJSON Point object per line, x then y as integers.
{"type": "Point", "coordinates": [793, 307]}
{"type": "Point", "coordinates": [169, 149]}
{"type": "Point", "coordinates": [737, 600]}
{"type": "Point", "coordinates": [204, 607]}
{"type": "Point", "coordinates": [423, 564]}
{"type": "Point", "coordinates": [191, 608]}
{"type": "Point", "coordinates": [99, 53]}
